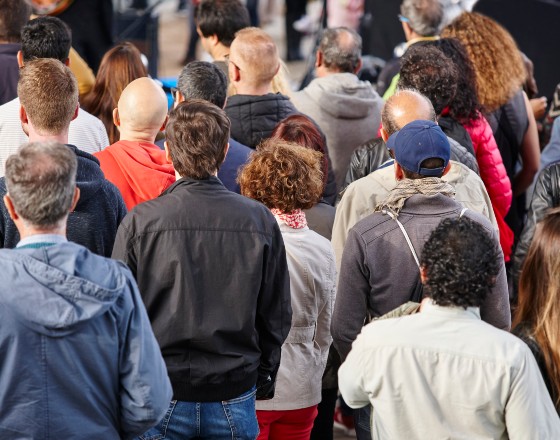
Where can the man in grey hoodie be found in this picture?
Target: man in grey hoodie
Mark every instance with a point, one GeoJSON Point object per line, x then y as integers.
{"type": "Point", "coordinates": [347, 110]}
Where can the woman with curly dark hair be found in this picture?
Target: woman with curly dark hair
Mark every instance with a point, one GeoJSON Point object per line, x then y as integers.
{"type": "Point", "coordinates": [287, 178]}
{"type": "Point", "coordinates": [537, 317]}
{"type": "Point", "coordinates": [119, 67]}
{"type": "Point", "coordinates": [466, 109]}
{"type": "Point", "coordinates": [500, 74]}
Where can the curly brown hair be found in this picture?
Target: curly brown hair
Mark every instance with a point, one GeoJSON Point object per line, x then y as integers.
{"type": "Point", "coordinates": [497, 61]}
{"type": "Point", "coordinates": [283, 175]}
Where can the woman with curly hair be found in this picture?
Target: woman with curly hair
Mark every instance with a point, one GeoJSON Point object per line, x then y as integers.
{"type": "Point", "coordinates": [287, 179]}
{"type": "Point", "coordinates": [120, 66]}
{"type": "Point", "coordinates": [500, 74]}
{"type": "Point", "coordinates": [466, 109]}
{"type": "Point", "coordinates": [537, 317]}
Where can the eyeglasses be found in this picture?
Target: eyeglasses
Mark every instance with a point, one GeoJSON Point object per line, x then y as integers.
{"type": "Point", "coordinates": [403, 19]}
{"type": "Point", "coordinates": [229, 61]}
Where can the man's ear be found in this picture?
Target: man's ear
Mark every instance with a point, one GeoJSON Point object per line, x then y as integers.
{"type": "Point", "coordinates": [116, 119]}
{"type": "Point", "coordinates": [75, 199]}
{"type": "Point", "coordinates": [167, 153]}
{"type": "Point", "coordinates": [358, 66]}
{"type": "Point", "coordinates": [234, 73]}
{"type": "Point", "coordinates": [447, 168]}
{"type": "Point", "coordinates": [399, 174]}
{"type": "Point", "coordinates": [10, 207]}
{"type": "Point", "coordinates": [23, 115]}
{"type": "Point", "coordinates": [162, 128]}
{"type": "Point", "coordinates": [76, 112]}
{"type": "Point", "coordinates": [67, 62]}
{"type": "Point", "coordinates": [384, 134]}
{"type": "Point", "coordinates": [20, 58]}
{"type": "Point", "coordinates": [319, 59]}
{"type": "Point", "coordinates": [423, 274]}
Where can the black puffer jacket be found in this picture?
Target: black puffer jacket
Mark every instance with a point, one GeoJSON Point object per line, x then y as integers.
{"type": "Point", "coordinates": [545, 196]}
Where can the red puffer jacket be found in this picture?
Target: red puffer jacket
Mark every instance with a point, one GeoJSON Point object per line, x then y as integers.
{"type": "Point", "coordinates": [494, 175]}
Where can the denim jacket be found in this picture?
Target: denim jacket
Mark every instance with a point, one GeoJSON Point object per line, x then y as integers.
{"type": "Point", "coordinates": [78, 356]}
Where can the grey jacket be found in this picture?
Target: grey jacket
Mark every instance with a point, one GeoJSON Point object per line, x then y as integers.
{"type": "Point", "coordinates": [378, 271]}
{"type": "Point", "coordinates": [304, 352]}
{"type": "Point", "coordinates": [347, 110]}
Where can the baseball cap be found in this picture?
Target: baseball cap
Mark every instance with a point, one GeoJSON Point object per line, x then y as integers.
{"type": "Point", "coordinates": [417, 141]}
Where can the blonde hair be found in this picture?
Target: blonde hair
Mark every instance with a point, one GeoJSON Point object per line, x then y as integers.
{"type": "Point", "coordinates": [497, 61]}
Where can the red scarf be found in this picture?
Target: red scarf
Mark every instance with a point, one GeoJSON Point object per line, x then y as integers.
{"type": "Point", "coordinates": [295, 219]}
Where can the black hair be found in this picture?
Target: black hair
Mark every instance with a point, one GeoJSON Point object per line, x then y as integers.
{"type": "Point", "coordinates": [46, 37]}
{"type": "Point", "coordinates": [461, 262]}
{"type": "Point", "coordinates": [222, 18]}
{"type": "Point", "coordinates": [203, 80]}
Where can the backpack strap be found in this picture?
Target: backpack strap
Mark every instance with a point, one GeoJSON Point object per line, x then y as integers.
{"type": "Point", "coordinates": [463, 211]}
{"type": "Point", "coordinates": [407, 238]}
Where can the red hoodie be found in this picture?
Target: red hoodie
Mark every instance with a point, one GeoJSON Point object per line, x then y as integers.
{"type": "Point", "coordinates": [138, 169]}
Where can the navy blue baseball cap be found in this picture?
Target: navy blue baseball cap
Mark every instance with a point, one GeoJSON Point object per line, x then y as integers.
{"type": "Point", "coordinates": [418, 141]}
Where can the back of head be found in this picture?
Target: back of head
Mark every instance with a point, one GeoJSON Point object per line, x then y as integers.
{"type": "Point", "coordinates": [461, 262]}
{"type": "Point", "coordinates": [13, 15]}
{"type": "Point", "coordinates": [255, 54]}
{"type": "Point", "coordinates": [299, 129]}
{"type": "Point", "coordinates": [223, 18]}
{"type": "Point", "coordinates": [405, 106]}
{"type": "Point", "coordinates": [41, 178]}
{"type": "Point", "coordinates": [203, 80]}
{"type": "Point", "coordinates": [197, 134]}
{"type": "Point", "coordinates": [539, 288]}
{"type": "Point", "coordinates": [424, 17]}
{"type": "Point", "coordinates": [48, 91]}
{"type": "Point", "coordinates": [497, 62]}
{"type": "Point", "coordinates": [421, 148]}
{"type": "Point", "coordinates": [142, 106]}
{"type": "Point", "coordinates": [283, 175]}
{"type": "Point", "coordinates": [342, 49]}
{"type": "Point", "coordinates": [46, 37]}
{"type": "Point", "coordinates": [427, 69]}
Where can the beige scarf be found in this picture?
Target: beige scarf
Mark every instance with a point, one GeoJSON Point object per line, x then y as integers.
{"type": "Point", "coordinates": [406, 188]}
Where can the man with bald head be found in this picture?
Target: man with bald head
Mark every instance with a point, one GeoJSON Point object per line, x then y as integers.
{"type": "Point", "coordinates": [135, 164]}
{"type": "Point", "coordinates": [254, 110]}
{"type": "Point", "coordinates": [361, 196]}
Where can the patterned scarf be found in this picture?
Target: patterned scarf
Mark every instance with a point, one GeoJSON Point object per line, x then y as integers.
{"type": "Point", "coordinates": [295, 219]}
{"type": "Point", "coordinates": [406, 188]}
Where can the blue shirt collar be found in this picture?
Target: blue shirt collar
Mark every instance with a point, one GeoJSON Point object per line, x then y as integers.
{"type": "Point", "coordinates": [41, 239]}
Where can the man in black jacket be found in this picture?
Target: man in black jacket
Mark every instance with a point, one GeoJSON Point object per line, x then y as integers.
{"type": "Point", "coordinates": [211, 266]}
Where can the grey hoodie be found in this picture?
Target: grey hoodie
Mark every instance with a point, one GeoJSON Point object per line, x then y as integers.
{"type": "Point", "coordinates": [347, 110]}
{"type": "Point", "coordinates": [79, 359]}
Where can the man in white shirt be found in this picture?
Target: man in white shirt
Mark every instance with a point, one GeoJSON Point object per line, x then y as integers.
{"type": "Point", "coordinates": [47, 37]}
{"type": "Point", "coordinates": [443, 372]}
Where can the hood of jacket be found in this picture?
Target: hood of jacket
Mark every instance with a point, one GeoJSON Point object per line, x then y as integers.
{"type": "Point", "coordinates": [65, 283]}
{"type": "Point", "coordinates": [139, 163]}
{"type": "Point", "coordinates": [343, 96]}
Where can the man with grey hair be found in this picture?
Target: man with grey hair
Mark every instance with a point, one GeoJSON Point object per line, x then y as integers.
{"type": "Point", "coordinates": [347, 110]}
{"type": "Point", "coordinates": [67, 315]}
{"type": "Point", "coordinates": [48, 94]}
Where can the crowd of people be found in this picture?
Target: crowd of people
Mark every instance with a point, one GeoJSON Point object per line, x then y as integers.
{"type": "Point", "coordinates": [255, 262]}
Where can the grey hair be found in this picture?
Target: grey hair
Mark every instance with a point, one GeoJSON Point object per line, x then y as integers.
{"type": "Point", "coordinates": [337, 53]}
{"type": "Point", "coordinates": [425, 17]}
{"type": "Point", "coordinates": [388, 119]}
{"type": "Point", "coordinates": [203, 80]}
{"type": "Point", "coordinates": [41, 178]}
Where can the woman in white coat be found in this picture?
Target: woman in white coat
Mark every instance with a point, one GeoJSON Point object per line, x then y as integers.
{"type": "Point", "coordinates": [287, 178]}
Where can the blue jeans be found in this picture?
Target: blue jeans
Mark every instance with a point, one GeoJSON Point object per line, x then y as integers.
{"type": "Point", "coordinates": [234, 419]}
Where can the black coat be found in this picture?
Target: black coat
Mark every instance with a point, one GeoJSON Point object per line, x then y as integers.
{"type": "Point", "coordinates": [211, 268]}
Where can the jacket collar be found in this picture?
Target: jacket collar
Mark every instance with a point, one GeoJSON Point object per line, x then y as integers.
{"type": "Point", "coordinates": [430, 308]}
{"type": "Point", "coordinates": [212, 182]}
{"type": "Point", "coordinates": [422, 204]}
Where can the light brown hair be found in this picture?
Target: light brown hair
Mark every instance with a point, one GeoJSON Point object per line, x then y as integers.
{"type": "Point", "coordinates": [119, 67]}
{"type": "Point", "coordinates": [283, 175]}
{"type": "Point", "coordinates": [48, 91]}
{"type": "Point", "coordinates": [497, 62]}
{"type": "Point", "coordinates": [539, 295]}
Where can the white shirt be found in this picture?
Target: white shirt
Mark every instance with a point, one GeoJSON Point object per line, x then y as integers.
{"type": "Point", "coordinates": [86, 132]}
{"type": "Point", "coordinates": [445, 374]}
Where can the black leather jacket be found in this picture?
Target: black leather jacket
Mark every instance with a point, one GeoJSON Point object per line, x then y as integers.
{"type": "Point", "coordinates": [545, 196]}
{"type": "Point", "coordinates": [212, 271]}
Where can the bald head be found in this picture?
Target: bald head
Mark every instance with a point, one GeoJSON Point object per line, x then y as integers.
{"type": "Point", "coordinates": [403, 107]}
{"type": "Point", "coordinates": [255, 56]}
{"type": "Point", "coordinates": [142, 108]}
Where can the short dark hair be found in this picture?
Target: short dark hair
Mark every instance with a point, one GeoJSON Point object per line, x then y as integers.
{"type": "Point", "coordinates": [222, 18]}
{"type": "Point", "coordinates": [197, 134]}
{"type": "Point", "coordinates": [13, 15]}
{"type": "Point", "coordinates": [427, 69]}
{"type": "Point", "coordinates": [41, 178]}
{"type": "Point", "coordinates": [46, 37]}
{"type": "Point", "coordinates": [203, 80]}
{"type": "Point", "coordinates": [425, 17]}
{"type": "Point", "coordinates": [461, 262]}
{"type": "Point", "coordinates": [341, 55]}
{"type": "Point", "coordinates": [430, 164]}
